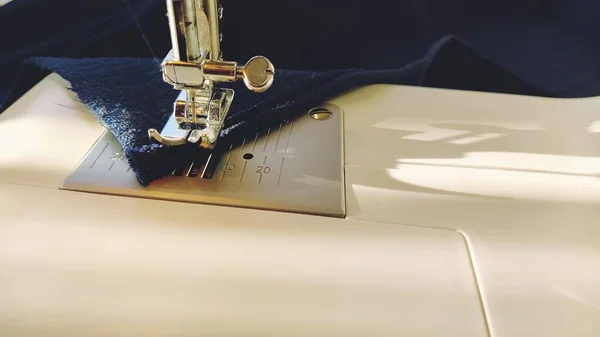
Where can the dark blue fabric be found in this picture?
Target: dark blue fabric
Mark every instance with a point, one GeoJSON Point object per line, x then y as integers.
{"type": "Point", "coordinates": [109, 50]}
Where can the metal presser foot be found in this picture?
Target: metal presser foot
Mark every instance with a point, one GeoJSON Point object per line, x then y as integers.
{"type": "Point", "coordinates": [194, 66]}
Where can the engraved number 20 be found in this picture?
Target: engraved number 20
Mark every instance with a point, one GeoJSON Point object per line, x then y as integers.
{"type": "Point", "coordinates": [263, 169]}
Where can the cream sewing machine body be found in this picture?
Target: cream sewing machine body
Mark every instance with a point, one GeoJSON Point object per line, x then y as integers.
{"type": "Point", "coordinates": [413, 211]}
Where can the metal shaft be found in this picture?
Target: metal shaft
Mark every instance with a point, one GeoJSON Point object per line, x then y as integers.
{"type": "Point", "coordinates": [191, 29]}
{"type": "Point", "coordinates": [212, 11]}
{"type": "Point", "coordinates": [190, 24]}
{"type": "Point", "coordinates": [177, 39]}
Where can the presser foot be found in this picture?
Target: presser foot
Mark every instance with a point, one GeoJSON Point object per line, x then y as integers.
{"type": "Point", "coordinates": [197, 118]}
{"type": "Point", "coordinates": [195, 65]}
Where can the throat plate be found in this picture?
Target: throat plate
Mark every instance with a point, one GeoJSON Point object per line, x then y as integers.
{"type": "Point", "coordinates": [294, 167]}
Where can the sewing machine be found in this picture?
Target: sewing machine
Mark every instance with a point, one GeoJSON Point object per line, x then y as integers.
{"type": "Point", "coordinates": [386, 211]}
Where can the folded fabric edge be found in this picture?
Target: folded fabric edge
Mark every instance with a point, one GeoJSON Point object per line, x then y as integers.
{"type": "Point", "coordinates": [148, 160]}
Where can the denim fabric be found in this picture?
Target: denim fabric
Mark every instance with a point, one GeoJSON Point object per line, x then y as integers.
{"type": "Point", "coordinates": [110, 52]}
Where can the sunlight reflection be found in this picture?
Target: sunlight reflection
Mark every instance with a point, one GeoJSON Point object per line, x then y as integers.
{"type": "Point", "coordinates": [594, 127]}
{"type": "Point", "coordinates": [548, 163]}
{"type": "Point", "coordinates": [495, 182]}
{"type": "Point", "coordinates": [419, 124]}
{"type": "Point", "coordinates": [21, 151]}
{"type": "Point", "coordinates": [475, 139]}
{"type": "Point", "coordinates": [432, 132]}
{"type": "Point", "coordinates": [571, 295]}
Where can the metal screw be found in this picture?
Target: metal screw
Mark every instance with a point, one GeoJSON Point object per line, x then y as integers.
{"type": "Point", "coordinates": [320, 114]}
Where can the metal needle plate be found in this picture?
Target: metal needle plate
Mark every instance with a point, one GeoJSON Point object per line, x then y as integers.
{"type": "Point", "coordinates": [294, 167]}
